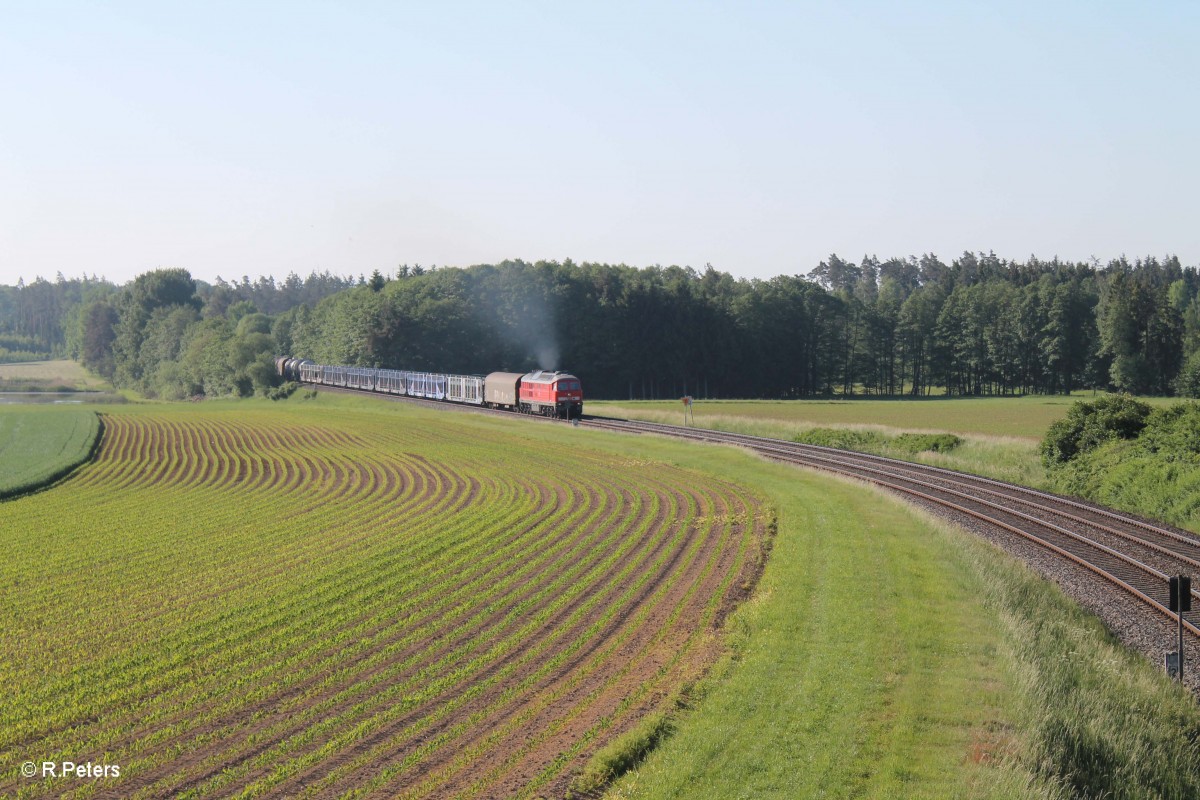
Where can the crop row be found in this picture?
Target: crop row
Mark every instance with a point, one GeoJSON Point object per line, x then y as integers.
{"type": "Point", "coordinates": [275, 602]}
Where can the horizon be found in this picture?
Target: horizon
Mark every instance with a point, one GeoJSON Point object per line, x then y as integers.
{"type": "Point", "coordinates": [392, 274]}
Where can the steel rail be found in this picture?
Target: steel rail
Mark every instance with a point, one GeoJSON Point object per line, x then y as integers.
{"type": "Point", "coordinates": [1134, 572]}
{"type": "Point", "coordinates": [966, 481]}
{"type": "Point", "coordinates": [955, 475]}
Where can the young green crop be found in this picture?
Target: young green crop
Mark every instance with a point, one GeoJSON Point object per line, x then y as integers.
{"type": "Point", "coordinates": [39, 445]}
{"type": "Point", "coordinates": [261, 598]}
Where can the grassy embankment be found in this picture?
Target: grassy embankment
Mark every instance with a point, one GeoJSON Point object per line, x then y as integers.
{"type": "Point", "coordinates": [886, 654]}
{"type": "Point", "coordinates": [1125, 453]}
{"type": "Point", "coordinates": [39, 445]}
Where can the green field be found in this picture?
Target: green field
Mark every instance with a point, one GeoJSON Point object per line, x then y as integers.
{"type": "Point", "coordinates": [350, 597]}
{"type": "Point", "coordinates": [39, 444]}
{"type": "Point", "coordinates": [1162, 487]}
{"type": "Point", "coordinates": [1012, 457]}
{"type": "Point", "coordinates": [1007, 417]}
{"type": "Point", "coordinates": [48, 376]}
{"type": "Point", "coordinates": [314, 598]}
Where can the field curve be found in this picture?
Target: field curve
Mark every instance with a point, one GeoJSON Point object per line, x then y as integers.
{"type": "Point", "coordinates": [377, 604]}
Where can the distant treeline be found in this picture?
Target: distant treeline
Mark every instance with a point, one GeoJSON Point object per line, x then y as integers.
{"type": "Point", "coordinates": [903, 327]}
{"type": "Point", "coordinates": [979, 325]}
{"type": "Point", "coordinates": [164, 333]}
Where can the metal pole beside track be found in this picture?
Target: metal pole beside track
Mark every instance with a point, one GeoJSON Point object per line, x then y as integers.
{"type": "Point", "coordinates": [1180, 591]}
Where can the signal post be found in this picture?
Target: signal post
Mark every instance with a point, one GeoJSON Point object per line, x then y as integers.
{"type": "Point", "coordinates": [1181, 601]}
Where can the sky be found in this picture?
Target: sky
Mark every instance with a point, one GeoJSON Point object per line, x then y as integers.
{"type": "Point", "coordinates": [258, 138]}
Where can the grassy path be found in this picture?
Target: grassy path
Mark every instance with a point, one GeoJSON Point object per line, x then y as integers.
{"type": "Point", "coordinates": [864, 667]}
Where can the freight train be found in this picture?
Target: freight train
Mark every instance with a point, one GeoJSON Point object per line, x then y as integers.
{"type": "Point", "coordinates": [546, 393]}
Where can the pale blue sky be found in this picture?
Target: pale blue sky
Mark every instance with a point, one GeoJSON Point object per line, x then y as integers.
{"type": "Point", "coordinates": [250, 138]}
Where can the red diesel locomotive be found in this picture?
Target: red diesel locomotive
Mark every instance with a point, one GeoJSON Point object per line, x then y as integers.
{"type": "Point", "coordinates": [553, 394]}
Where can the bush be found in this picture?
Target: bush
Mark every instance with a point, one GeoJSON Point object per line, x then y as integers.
{"type": "Point", "coordinates": [926, 442]}
{"type": "Point", "coordinates": [1089, 425]}
{"type": "Point", "coordinates": [283, 391]}
{"type": "Point", "coordinates": [1155, 472]}
{"type": "Point", "coordinates": [842, 438]}
{"type": "Point", "coordinates": [1173, 433]}
{"type": "Point", "coordinates": [872, 442]}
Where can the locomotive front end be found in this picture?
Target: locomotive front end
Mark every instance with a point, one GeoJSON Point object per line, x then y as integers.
{"type": "Point", "coordinates": [568, 396]}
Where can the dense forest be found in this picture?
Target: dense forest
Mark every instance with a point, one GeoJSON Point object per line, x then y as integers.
{"type": "Point", "coordinates": [903, 327]}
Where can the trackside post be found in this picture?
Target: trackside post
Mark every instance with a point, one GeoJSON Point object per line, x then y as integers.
{"type": "Point", "coordinates": [1181, 601]}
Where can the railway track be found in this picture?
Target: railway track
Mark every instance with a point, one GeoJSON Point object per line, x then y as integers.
{"type": "Point", "coordinates": [1125, 557]}
{"type": "Point", "coordinates": [1132, 555]}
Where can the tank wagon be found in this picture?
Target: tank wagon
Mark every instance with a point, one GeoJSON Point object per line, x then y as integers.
{"type": "Point", "coordinates": [543, 392]}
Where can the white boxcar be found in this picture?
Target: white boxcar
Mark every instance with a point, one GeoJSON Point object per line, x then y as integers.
{"type": "Point", "coordinates": [390, 381]}
{"type": "Point", "coordinates": [430, 385]}
{"type": "Point", "coordinates": [310, 372]}
{"type": "Point", "coordinates": [360, 378]}
{"type": "Point", "coordinates": [464, 389]}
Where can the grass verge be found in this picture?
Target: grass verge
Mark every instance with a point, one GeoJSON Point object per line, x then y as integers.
{"type": "Point", "coordinates": [1100, 719]}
